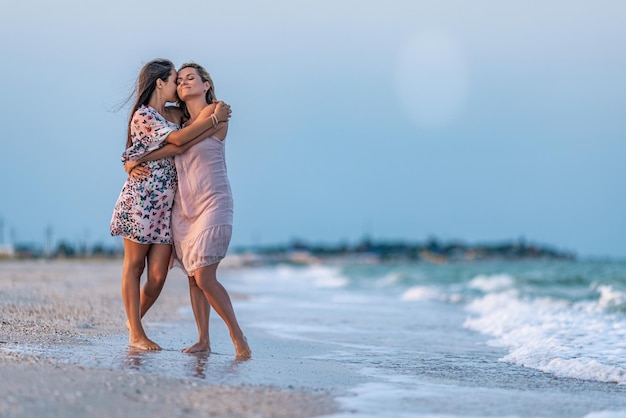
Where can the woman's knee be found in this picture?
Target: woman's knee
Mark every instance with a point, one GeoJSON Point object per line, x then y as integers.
{"type": "Point", "coordinates": [134, 268]}
{"type": "Point", "coordinates": [206, 281]}
{"type": "Point", "coordinates": [157, 276]}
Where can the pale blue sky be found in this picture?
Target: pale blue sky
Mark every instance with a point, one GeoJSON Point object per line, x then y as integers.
{"type": "Point", "coordinates": [471, 120]}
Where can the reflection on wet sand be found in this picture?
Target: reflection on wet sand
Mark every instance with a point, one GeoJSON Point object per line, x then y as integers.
{"type": "Point", "coordinates": [204, 365]}
{"type": "Point", "coordinates": [135, 358]}
{"type": "Point", "coordinates": [139, 360]}
{"type": "Point", "coordinates": [201, 363]}
{"type": "Point", "coordinates": [201, 360]}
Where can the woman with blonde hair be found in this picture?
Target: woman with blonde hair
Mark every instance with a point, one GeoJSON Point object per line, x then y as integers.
{"type": "Point", "coordinates": [202, 216]}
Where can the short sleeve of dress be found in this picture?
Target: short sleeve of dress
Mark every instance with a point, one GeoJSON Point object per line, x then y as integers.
{"type": "Point", "coordinates": [148, 132]}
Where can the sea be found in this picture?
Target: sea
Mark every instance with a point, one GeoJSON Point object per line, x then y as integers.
{"type": "Point", "coordinates": [496, 338]}
{"type": "Point", "coordinates": [528, 338]}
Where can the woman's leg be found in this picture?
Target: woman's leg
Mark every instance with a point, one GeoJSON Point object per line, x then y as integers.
{"type": "Point", "coordinates": [206, 278]}
{"type": "Point", "coordinates": [158, 266]}
{"type": "Point", "coordinates": [201, 311]}
{"type": "Point", "coordinates": [134, 263]}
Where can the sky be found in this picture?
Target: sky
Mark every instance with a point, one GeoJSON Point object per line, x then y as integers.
{"type": "Point", "coordinates": [477, 121]}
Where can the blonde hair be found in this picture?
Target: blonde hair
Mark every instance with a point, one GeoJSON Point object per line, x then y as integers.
{"type": "Point", "coordinates": [205, 77]}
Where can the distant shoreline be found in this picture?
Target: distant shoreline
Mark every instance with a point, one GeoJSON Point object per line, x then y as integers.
{"type": "Point", "coordinates": [367, 251]}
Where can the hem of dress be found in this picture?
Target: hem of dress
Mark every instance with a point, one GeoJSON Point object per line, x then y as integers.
{"type": "Point", "coordinates": [208, 263]}
{"type": "Point", "coordinates": [206, 229]}
{"type": "Point", "coordinates": [147, 243]}
{"type": "Point", "coordinates": [177, 262]}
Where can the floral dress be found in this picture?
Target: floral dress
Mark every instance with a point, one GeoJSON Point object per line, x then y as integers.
{"type": "Point", "coordinates": [144, 207]}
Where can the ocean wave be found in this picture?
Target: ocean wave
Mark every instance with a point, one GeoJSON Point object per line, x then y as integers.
{"type": "Point", "coordinates": [320, 276]}
{"type": "Point", "coordinates": [419, 293]}
{"type": "Point", "coordinates": [573, 340]}
{"type": "Point", "coordinates": [611, 299]}
{"type": "Point", "coordinates": [316, 276]}
{"type": "Point", "coordinates": [422, 293]}
{"type": "Point", "coordinates": [492, 283]}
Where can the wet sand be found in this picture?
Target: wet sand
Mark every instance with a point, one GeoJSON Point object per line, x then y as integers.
{"type": "Point", "coordinates": [63, 353]}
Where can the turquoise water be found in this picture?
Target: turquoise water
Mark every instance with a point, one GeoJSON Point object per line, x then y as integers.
{"type": "Point", "coordinates": [567, 318]}
{"type": "Point", "coordinates": [437, 338]}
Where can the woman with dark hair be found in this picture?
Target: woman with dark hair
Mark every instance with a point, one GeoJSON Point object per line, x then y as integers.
{"type": "Point", "coordinates": [142, 213]}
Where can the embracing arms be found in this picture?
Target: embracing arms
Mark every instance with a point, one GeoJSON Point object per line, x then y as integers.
{"type": "Point", "coordinates": [203, 123]}
{"type": "Point", "coordinates": [181, 140]}
{"type": "Point", "coordinates": [169, 150]}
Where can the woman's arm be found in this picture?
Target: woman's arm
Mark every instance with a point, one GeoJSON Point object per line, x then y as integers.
{"type": "Point", "coordinates": [221, 131]}
{"type": "Point", "coordinates": [169, 150]}
{"type": "Point", "coordinates": [221, 111]}
{"type": "Point", "coordinates": [201, 125]}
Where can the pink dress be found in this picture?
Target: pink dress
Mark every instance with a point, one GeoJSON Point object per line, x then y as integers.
{"type": "Point", "coordinates": [202, 215]}
{"type": "Point", "coordinates": [143, 209]}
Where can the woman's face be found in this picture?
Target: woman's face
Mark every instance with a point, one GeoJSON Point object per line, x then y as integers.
{"type": "Point", "coordinates": [189, 84]}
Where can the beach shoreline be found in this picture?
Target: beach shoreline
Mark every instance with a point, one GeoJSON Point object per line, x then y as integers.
{"type": "Point", "coordinates": [50, 307]}
{"type": "Point", "coordinates": [327, 341]}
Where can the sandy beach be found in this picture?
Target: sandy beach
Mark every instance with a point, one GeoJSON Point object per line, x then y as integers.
{"type": "Point", "coordinates": [328, 341]}
{"type": "Point", "coordinates": [62, 307]}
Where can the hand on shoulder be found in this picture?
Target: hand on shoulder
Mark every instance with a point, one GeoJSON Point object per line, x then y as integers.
{"type": "Point", "coordinates": [207, 111]}
{"type": "Point", "coordinates": [222, 111]}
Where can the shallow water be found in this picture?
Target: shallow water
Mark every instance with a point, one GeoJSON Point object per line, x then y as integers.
{"type": "Point", "coordinates": [409, 341]}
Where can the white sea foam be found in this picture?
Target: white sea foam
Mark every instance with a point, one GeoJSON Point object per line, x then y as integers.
{"type": "Point", "coordinates": [422, 293]}
{"type": "Point", "coordinates": [419, 293]}
{"type": "Point", "coordinates": [319, 276]}
{"type": "Point", "coordinates": [609, 297]}
{"type": "Point", "coordinates": [285, 278]}
{"type": "Point", "coordinates": [492, 283]}
{"type": "Point", "coordinates": [565, 339]}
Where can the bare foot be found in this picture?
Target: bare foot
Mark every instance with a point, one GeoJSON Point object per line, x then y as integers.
{"type": "Point", "coordinates": [144, 343]}
{"type": "Point", "coordinates": [242, 349]}
{"type": "Point", "coordinates": [198, 347]}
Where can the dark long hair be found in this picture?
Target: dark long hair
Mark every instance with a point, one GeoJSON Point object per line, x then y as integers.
{"type": "Point", "coordinates": [204, 76]}
{"type": "Point", "coordinates": [146, 84]}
